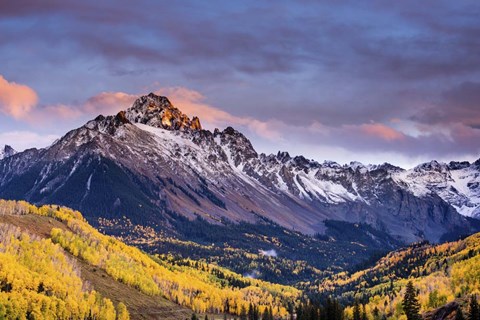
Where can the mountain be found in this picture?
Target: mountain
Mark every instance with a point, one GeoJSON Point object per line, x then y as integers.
{"type": "Point", "coordinates": [7, 151]}
{"type": "Point", "coordinates": [457, 183]}
{"type": "Point", "coordinates": [151, 163]}
{"type": "Point", "coordinates": [54, 265]}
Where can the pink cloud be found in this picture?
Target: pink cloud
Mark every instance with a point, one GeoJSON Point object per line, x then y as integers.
{"type": "Point", "coordinates": [108, 103]}
{"type": "Point", "coordinates": [193, 103]}
{"type": "Point", "coordinates": [381, 131]}
{"type": "Point", "coordinates": [16, 100]}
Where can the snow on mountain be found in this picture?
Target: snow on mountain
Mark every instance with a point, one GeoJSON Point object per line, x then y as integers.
{"type": "Point", "coordinates": [457, 183]}
{"type": "Point", "coordinates": [152, 162]}
{"type": "Point", "coordinates": [6, 151]}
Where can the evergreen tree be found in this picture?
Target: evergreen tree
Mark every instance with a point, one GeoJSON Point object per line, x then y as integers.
{"type": "Point", "coordinates": [332, 310]}
{"type": "Point", "coordinates": [473, 312]}
{"type": "Point", "coordinates": [356, 311]}
{"type": "Point", "coordinates": [376, 313]}
{"type": "Point", "coordinates": [243, 313]}
{"type": "Point", "coordinates": [410, 303]}
{"type": "Point", "coordinates": [194, 316]}
{"type": "Point", "coordinates": [299, 311]}
{"type": "Point", "coordinates": [250, 312]}
{"type": "Point", "coordinates": [364, 313]}
{"type": "Point", "coordinates": [265, 314]}
{"type": "Point", "coordinates": [270, 313]}
{"type": "Point", "coordinates": [459, 314]}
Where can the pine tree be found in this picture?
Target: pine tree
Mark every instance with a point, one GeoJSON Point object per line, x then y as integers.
{"type": "Point", "coordinates": [364, 313]}
{"type": "Point", "coordinates": [270, 313]}
{"type": "Point", "coordinates": [250, 312]}
{"type": "Point", "coordinates": [356, 311]}
{"type": "Point", "coordinates": [459, 314]}
{"type": "Point", "coordinates": [473, 312]}
{"type": "Point", "coordinates": [243, 313]}
{"type": "Point", "coordinates": [376, 313]}
{"type": "Point", "coordinates": [410, 303]}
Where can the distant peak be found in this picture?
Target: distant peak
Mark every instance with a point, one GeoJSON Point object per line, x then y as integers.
{"type": "Point", "coordinates": [158, 111]}
{"type": "Point", "coordinates": [433, 165]}
{"type": "Point", "coordinates": [7, 151]}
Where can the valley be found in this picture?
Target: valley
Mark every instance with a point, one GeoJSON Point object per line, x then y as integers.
{"type": "Point", "coordinates": [179, 220]}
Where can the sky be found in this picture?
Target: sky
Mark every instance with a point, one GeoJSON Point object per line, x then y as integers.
{"type": "Point", "coordinates": [369, 81]}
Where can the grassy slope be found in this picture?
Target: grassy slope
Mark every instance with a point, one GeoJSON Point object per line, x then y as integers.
{"type": "Point", "coordinates": [140, 305]}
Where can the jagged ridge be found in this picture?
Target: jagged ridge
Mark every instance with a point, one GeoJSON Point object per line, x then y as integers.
{"type": "Point", "coordinates": [151, 162]}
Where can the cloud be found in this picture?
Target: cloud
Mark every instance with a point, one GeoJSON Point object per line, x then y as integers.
{"type": "Point", "coordinates": [16, 100]}
{"type": "Point", "coordinates": [21, 140]}
{"type": "Point", "coordinates": [268, 253]}
{"type": "Point", "coordinates": [107, 103]}
{"type": "Point", "coordinates": [254, 274]}
{"type": "Point", "coordinates": [21, 102]}
{"type": "Point", "coordinates": [381, 131]}
{"type": "Point", "coordinates": [193, 103]}
{"type": "Point", "coordinates": [189, 101]}
{"type": "Point", "coordinates": [458, 104]}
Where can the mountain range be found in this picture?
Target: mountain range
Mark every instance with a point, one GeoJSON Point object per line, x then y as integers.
{"type": "Point", "coordinates": [151, 164]}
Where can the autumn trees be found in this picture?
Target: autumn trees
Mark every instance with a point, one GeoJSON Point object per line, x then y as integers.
{"type": "Point", "coordinates": [39, 281]}
{"type": "Point", "coordinates": [203, 288]}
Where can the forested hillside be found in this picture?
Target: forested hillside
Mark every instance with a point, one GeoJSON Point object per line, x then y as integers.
{"type": "Point", "coordinates": [54, 265]}
{"type": "Point", "coordinates": [440, 273]}
{"type": "Point", "coordinates": [206, 289]}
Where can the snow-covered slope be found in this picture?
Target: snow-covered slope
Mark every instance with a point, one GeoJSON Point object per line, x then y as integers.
{"type": "Point", "coordinates": [457, 183]}
{"type": "Point", "coordinates": [152, 163]}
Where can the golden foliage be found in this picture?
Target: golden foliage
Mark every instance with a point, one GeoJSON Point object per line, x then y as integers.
{"type": "Point", "coordinates": [195, 288]}
{"type": "Point", "coordinates": [39, 281]}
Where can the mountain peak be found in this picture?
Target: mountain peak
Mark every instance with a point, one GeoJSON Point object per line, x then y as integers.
{"type": "Point", "coordinates": [157, 111]}
{"type": "Point", "coordinates": [7, 151]}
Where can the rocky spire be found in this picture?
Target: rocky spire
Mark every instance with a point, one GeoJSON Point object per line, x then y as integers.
{"type": "Point", "coordinates": [7, 151]}
{"type": "Point", "coordinates": [158, 111]}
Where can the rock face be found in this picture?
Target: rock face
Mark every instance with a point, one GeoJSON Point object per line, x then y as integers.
{"type": "Point", "coordinates": [152, 163]}
{"type": "Point", "coordinates": [446, 312]}
{"type": "Point", "coordinates": [157, 111]}
{"type": "Point", "coordinates": [7, 151]}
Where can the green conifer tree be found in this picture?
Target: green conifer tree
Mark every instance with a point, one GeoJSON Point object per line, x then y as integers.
{"type": "Point", "coordinates": [473, 312]}
{"type": "Point", "coordinates": [459, 314]}
{"type": "Point", "coordinates": [356, 311]}
{"type": "Point", "coordinates": [410, 303]}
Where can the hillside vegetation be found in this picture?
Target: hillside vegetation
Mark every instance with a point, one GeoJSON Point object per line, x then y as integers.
{"type": "Point", "coordinates": [265, 249]}
{"type": "Point", "coordinates": [206, 289]}
{"type": "Point", "coordinates": [54, 265]}
{"type": "Point", "coordinates": [441, 274]}
{"type": "Point", "coordinates": [39, 281]}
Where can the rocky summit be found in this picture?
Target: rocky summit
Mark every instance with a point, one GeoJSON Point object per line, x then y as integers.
{"type": "Point", "coordinates": [151, 163]}
{"type": "Point", "coordinates": [7, 151]}
{"type": "Point", "coordinates": [157, 111]}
